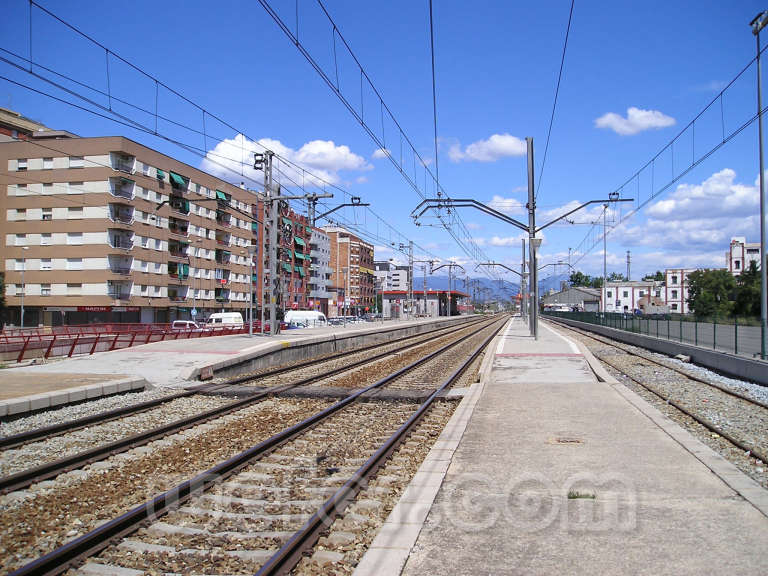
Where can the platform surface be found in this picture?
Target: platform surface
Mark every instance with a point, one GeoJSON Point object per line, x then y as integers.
{"type": "Point", "coordinates": [559, 473]}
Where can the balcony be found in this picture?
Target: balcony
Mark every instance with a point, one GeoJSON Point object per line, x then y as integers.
{"type": "Point", "coordinates": [222, 295]}
{"type": "Point", "coordinates": [122, 188]}
{"type": "Point", "coordinates": [177, 293]}
{"type": "Point", "coordinates": [119, 264]}
{"type": "Point", "coordinates": [121, 213]}
{"type": "Point", "coordinates": [123, 162]}
{"type": "Point", "coordinates": [178, 270]}
{"type": "Point", "coordinates": [178, 204]}
{"type": "Point", "coordinates": [222, 276]}
{"type": "Point", "coordinates": [223, 199]}
{"type": "Point", "coordinates": [178, 227]}
{"type": "Point", "coordinates": [223, 218]}
{"type": "Point", "coordinates": [222, 256]}
{"type": "Point", "coordinates": [120, 239]}
{"type": "Point", "coordinates": [119, 290]}
{"type": "Point", "coordinates": [178, 249]}
{"type": "Point", "coordinates": [223, 238]}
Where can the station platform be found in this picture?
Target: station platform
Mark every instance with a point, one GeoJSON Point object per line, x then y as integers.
{"type": "Point", "coordinates": [170, 363]}
{"type": "Point", "coordinates": [551, 466]}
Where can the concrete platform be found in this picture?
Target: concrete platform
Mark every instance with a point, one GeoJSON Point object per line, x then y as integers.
{"type": "Point", "coordinates": [546, 468]}
{"type": "Point", "coordinates": [176, 362]}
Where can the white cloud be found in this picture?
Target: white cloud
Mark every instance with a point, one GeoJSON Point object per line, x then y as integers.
{"type": "Point", "coordinates": [380, 153]}
{"type": "Point", "coordinates": [699, 219]}
{"type": "Point", "coordinates": [361, 180]}
{"type": "Point", "coordinates": [508, 206]}
{"type": "Point", "coordinates": [324, 158]}
{"type": "Point", "coordinates": [506, 241]}
{"type": "Point", "coordinates": [473, 226]}
{"type": "Point", "coordinates": [637, 120]}
{"type": "Point", "coordinates": [494, 148]}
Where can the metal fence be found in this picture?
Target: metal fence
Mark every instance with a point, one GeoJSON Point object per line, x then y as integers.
{"type": "Point", "coordinates": [730, 337]}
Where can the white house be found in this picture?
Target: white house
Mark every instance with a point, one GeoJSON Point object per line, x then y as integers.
{"type": "Point", "coordinates": [740, 254]}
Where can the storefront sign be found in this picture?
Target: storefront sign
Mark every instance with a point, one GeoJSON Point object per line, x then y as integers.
{"type": "Point", "coordinates": [94, 308]}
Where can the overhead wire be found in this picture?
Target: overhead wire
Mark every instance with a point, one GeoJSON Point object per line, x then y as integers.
{"type": "Point", "coordinates": [554, 104]}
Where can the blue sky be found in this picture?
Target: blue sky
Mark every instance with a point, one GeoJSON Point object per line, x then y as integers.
{"type": "Point", "coordinates": [635, 75]}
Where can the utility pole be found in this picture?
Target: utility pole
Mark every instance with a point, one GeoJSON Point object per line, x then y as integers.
{"type": "Point", "coordinates": [758, 23]}
{"type": "Point", "coordinates": [523, 285]}
{"type": "Point", "coordinates": [533, 242]}
{"type": "Point", "coordinates": [605, 262]}
{"type": "Point", "coordinates": [410, 279]}
{"type": "Point", "coordinates": [628, 266]}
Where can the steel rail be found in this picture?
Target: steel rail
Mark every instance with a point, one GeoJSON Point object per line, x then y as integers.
{"type": "Point", "coordinates": [49, 470]}
{"type": "Point", "coordinates": [286, 558]}
{"type": "Point", "coordinates": [77, 550]}
{"type": "Point", "coordinates": [45, 432]}
{"type": "Point", "coordinates": [693, 377]}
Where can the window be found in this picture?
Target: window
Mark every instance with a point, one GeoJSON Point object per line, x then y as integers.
{"type": "Point", "coordinates": [642, 293]}
{"type": "Point", "coordinates": [158, 267]}
{"type": "Point", "coordinates": [74, 263]}
{"type": "Point", "coordinates": [737, 264]}
{"type": "Point", "coordinates": [45, 289]}
{"type": "Point", "coordinates": [20, 264]}
{"type": "Point", "coordinates": [21, 239]}
{"type": "Point", "coordinates": [47, 187]}
{"type": "Point", "coordinates": [674, 306]}
{"type": "Point", "coordinates": [75, 213]}
{"type": "Point", "coordinates": [144, 288]}
{"type": "Point", "coordinates": [158, 244]}
{"type": "Point", "coordinates": [76, 162]}
{"type": "Point", "coordinates": [156, 290]}
{"type": "Point", "coordinates": [145, 169]}
{"type": "Point", "coordinates": [47, 163]}
{"type": "Point", "coordinates": [21, 213]}
{"type": "Point", "coordinates": [144, 266]}
{"type": "Point", "coordinates": [45, 239]}
{"type": "Point", "coordinates": [626, 294]}
{"type": "Point", "coordinates": [21, 164]}
{"type": "Point", "coordinates": [74, 238]}
{"type": "Point", "coordinates": [658, 293]}
{"type": "Point", "coordinates": [74, 289]}
{"type": "Point", "coordinates": [21, 189]}
{"type": "Point", "coordinates": [608, 294]}
{"type": "Point", "coordinates": [674, 279]}
{"type": "Point", "coordinates": [47, 213]}
{"type": "Point", "coordinates": [674, 293]}
{"type": "Point", "coordinates": [45, 264]}
{"type": "Point", "coordinates": [75, 188]}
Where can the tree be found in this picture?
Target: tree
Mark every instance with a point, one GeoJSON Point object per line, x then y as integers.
{"type": "Point", "coordinates": [748, 292]}
{"type": "Point", "coordinates": [658, 276]}
{"type": "Point", "coordinates": [616, 277]}
{"type": "Point", "coordinates": [578, 278]}
{"type": "Point", "coordinates": [710, 292]}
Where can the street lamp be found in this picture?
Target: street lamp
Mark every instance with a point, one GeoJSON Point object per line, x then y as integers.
{"type": "Point", "coordinates": [758, 23]}
{"type": "Point", "coordinates": [535, 245]}
{"type": "Point", "coordinates": [251, 251]}
{"type": "Point", "coordinates": [23, 286]}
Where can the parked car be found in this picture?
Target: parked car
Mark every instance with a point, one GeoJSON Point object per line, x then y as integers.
{"type": "Point", "coordinates": [185, 326]}
{"type": "Point", "coordinates": [225, 319]}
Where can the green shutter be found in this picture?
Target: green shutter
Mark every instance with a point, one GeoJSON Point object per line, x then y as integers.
{"type": "Point", "coordinates": [185, 270]}
{"type": "Point", "coordinates": [254, 278]}
{"type": "Point", "coordinates": [299, 256]}
{"type": "Point", "coordinates": [299, 241]}
{"type": "Point", "coordinates": [286, 266]}
{"type": "Point", "coordinates": [308, 229]}
{"type": "Point", "coordinates": [300, 270]}
{"type": "Point", "coordinates": [177, 181]}
{"type": "Point", "coordinates": [221, 196]}
{"type": "Point", "coordinates": [160, 174]}
{"type": "Point", "coordinates": [287, 221]}
{"type": "Point", "coordinates": [255, 226]}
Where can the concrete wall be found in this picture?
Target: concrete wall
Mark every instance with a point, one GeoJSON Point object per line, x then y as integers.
{"type": "Point", "coordinates": [280, 354]}
{"type": "Point", "coordinates": [728, 364]}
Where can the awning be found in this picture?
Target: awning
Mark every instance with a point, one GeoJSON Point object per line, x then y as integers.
{"type": "Point", "coordinates": [300, 256]}
{"type": "Point", "coordinates": [309, 230]}
{"type": "Point", "coordinates": [299, 241]}
{"type": "Point", "coordinates": [221, 196]}
{"type": "Point", "coordinates": [286, 266]}
{"type": "Point", "coordinates": [300, 270]}
{"type": "Point", "coordinates": [287, 221]}
{"type": "Point", "coordinates": [177, 181]}
{"type": "Point", "coordinates": [254, 278]}
{"type": "Point", "coordinates": [255, 226]}
{"type": "Point", "coordinates": [160, 174]}
{"type": "Point", "coordinates": [126, 181]}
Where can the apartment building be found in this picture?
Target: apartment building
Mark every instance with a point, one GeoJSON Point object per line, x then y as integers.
{"type": "Point", "coordinates": [740, 254]}
{"type": "Point", "coordinates": [644, 295]}
{"type": "Point", "coordinates": [351, 272]}
{"type": "Point", "coordinates": [105, 229]}
{"type": "Point", "coordinates": [320, 281]}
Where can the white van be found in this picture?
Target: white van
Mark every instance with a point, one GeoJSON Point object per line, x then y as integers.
{"type": "Point", "coordinates": [307, 318]}
{"type": "Point", "coordinates": [229, 319]}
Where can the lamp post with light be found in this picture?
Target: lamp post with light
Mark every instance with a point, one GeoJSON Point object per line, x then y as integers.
{"type": "Point", "coordinates": [23, 286]}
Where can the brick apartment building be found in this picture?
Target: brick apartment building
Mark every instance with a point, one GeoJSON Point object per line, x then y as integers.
{"type": "Point", "coordinates": [352, 273]}
{"type": "Point", "coordinates": [105, 229]}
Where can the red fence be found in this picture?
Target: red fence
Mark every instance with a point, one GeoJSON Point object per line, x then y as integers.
{"type": "Point", "coordinates": [16, 345]}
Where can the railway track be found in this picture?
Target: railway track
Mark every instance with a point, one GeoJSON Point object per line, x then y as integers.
{"type": "Point", "coordinates": [71, 453]}
{"type": "Point", "coordinates": [264, 508]}
{"type": "Point", "coordinates": [725, 412]}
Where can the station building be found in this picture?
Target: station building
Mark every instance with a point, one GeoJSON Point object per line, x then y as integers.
{"type": "Point", "coordinates": [432, 303]}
